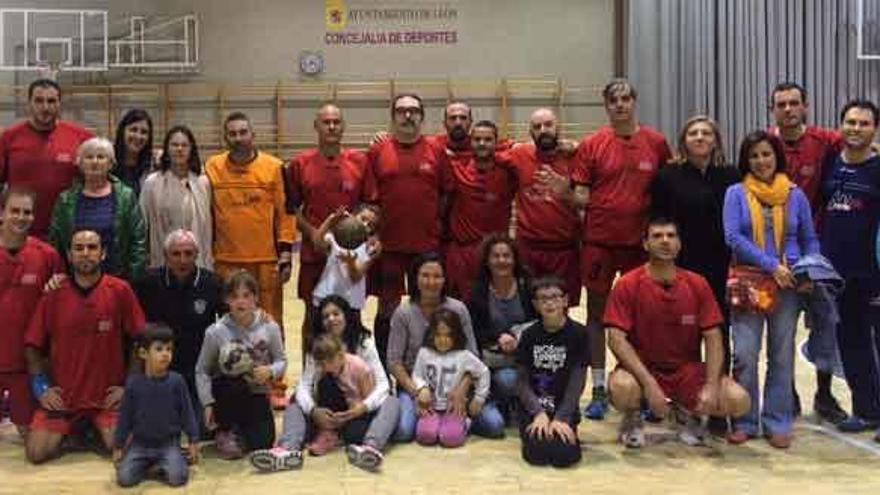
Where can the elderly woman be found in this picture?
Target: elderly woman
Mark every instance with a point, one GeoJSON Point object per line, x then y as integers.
{"type": "Point", "coordinates": [500, 302]}
{"type": "Point", "coordinates": [177, 196]}
{"type": "Point", "coordinates": [99, 201]}
{"type": "Point", "coordinates": [768, 226]}
{"type": "Point", "coordinates": [134, 149]}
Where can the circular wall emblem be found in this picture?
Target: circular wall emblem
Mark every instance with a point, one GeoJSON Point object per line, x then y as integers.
{"type": "Point", "coordinates": [311, 63]}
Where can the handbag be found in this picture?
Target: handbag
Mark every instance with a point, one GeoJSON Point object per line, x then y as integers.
{"type": "Point", "coordinates": [751, 289]}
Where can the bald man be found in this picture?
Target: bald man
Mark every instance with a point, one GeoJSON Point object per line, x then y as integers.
{"type": "Point", "coordinates": [322, 180]}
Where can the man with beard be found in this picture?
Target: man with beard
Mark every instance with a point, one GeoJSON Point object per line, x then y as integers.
{"type": "Point", "coordinates": [252, 229]}
{"type": "Point", "coordinates": [546, 225]}
{"type": "Point", "coordinates": [185, 297]}
{"type": "Point", "coordinates": [806, 148]}
{"type": "Point", "coordinates": [75, 347]}
{"type": "Point", "coordinates": [407, 177]}
{"type": "Point", "coordinates": [26, 266]}
{"type": "Point", "coordinates": [615, 168]}
{"type": "Point", "coordinates": [480, 205]}
{"type": "Point", "coordinates": [39, 153]}
{"type": "Point", "coordinates": [322, 180]}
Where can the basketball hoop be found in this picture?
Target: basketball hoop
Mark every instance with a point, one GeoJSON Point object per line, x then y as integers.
{"type": "Point", "coordinates": [49, 70]}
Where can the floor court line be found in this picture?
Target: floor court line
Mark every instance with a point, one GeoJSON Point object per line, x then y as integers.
{"type": "Point", "coordinates": [842, 437]}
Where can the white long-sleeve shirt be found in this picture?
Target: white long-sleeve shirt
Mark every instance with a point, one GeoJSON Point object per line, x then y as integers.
{"type": "Point", "coordinates": [442, 372]}
{"type": "Point", "coordinates": [311, 375]}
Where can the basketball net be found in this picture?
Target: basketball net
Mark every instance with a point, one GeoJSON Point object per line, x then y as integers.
{"type": "Point", "coordinates": [49, 70]}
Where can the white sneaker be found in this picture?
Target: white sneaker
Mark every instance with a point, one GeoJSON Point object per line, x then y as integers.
{"type": "Point", "coordinates": [364, 456]}
{"type": "Point", "coordinates": [276, 459]}
{"type": "Point", "coordinates": [692, 432]}
{"type": "Point", "coordinates": [632, 434]}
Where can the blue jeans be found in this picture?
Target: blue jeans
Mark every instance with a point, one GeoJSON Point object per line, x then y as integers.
{"type": "Point", "coordinates": [138, 460]}
{"type": "Point", "coordinates": [822, 315]}
{"type": "Point", "coordinates": [777, 410]}
{"type": "Point", "coordinates": [489, 423]}
{"type": "Point", "coordinates": [504, 383]}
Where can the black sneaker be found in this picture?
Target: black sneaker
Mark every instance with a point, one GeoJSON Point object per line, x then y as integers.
{"type": "Point", "coordinates": [827, 408]}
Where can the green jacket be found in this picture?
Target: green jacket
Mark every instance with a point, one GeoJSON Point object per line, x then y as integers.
{"type": "Point", "coordinates": [129, 252]}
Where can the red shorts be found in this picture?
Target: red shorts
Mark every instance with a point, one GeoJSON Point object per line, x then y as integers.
{"type": "Point", "coordinates": [22, 405]}
{"type": "Point", "coordinates": [60, 422]}
{"type": "Point", "coordinates": [684, 384]}
{"type": "Point", "coordinates": [387, 274]}
{"type": "Point", "coordinates": [309, 274]}
{"type": "Point", "coordinates": [462, 262]}
{"type": "Point", "coordinates": [600, 264]}
{"type": "Point", "coordinates": [558, 261]}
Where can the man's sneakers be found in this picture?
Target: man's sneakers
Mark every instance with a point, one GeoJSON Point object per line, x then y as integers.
{"type": "Point", "coordinates": [855, 424]}
{"type": "Point", "coordinates": [598, 406]}
{"type": "Point", "coordinates": [364, 456]}
{"type": "Point", "coordinates": [692, 432]}
{"type": "Point", "coordinates": [228, 446]}
{"type": "Point", "coordinates": [276, 459]}
{"type": "Point", "coordinates": [632, 434]}
{"type": "Point", "coordinates": [826, 407]}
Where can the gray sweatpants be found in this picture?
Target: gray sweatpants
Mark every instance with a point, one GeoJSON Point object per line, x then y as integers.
{"type": "Point", "coordinates": [381, 425]}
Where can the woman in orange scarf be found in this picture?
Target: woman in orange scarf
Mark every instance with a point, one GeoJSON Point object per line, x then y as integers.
{"type": "Point", "coordinates": [767, 224]}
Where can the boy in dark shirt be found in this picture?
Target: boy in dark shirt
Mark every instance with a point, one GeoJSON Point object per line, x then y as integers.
{"type": "Point", "coordinates": [552, 358]}
{"type": "Point", "coordinates": [156, 407]}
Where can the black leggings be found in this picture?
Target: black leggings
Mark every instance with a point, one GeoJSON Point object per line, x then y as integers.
{"type": "Point", "coordinates": [331, 397]}
{"type": "Point", "coordinates": [237, 408]}
{"type": "Point", "coordinates": [552, 451]}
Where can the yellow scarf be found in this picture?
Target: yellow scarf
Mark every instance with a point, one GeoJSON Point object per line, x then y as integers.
{"type": "Point", "coordinates": [774, 195]}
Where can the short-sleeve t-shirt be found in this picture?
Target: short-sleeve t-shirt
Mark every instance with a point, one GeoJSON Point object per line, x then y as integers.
{"type": "Point", "coordinates": [44, 162]}
{"type": "Point", "coordinates": [407, 182]}
{"type": "Point", "coordinates": [321, 185]}
{"type": "Point", "coordinates": [22, 278]}
{"type": "Point", "coordinates": [664, 323]}
{"type": "Point", "coordinates": [83, 332]}
{"type": "Point", "coordinates": [805, 156]}
{"type": "Point", "coordinates": [481, 201]}
{"type": "Point", "coordinates": [619, 171]}
{"type": "Point", "coordinates": [551, 357]}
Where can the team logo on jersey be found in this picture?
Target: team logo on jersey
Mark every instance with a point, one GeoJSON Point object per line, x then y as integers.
{"type": "Point", "coordinates": [199, 306]}
{"type": "Point", "coordinates": [425, 167]}
{"type": "Point", "coordinates": [646, 166]}
{"type": "Point", "coordinates": [64, 157]}
{"type": "Point", "coordinates": [29, 279]}
{"type": "Point", "coordinates": [104, 326]}
{"type": "Point", "coordinates": [688, 319]}
{"type": "Point", "coordinates": [347, 186]}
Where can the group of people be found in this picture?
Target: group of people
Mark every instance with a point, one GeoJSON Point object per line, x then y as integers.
{"type": "Point", "coordinates": [143, 289]}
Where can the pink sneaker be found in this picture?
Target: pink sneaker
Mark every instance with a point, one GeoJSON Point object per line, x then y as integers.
{"type": "Point", "coordinates": [324, 442]}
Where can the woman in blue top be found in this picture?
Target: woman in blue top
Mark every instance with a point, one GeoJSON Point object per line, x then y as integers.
{"type": "Point", "coordinates": [767, 224]}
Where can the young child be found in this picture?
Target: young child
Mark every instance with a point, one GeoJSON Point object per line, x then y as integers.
{"type": "Point", "coordinates": [379, 412]}
{"type": "Point", "coordinates": [345, 270]}
{"type": "Point", "coordinates": [440, 365]}
{"type": "Point", "coordinates": [156, 408]}
{"type": "Point", "coordinates": [552, 358]}
{"type": "Point", "coordinates": [235, 394]}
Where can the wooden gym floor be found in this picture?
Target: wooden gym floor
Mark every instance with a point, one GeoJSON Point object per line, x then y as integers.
{"type": "Point", "coordinates": [819, 461]}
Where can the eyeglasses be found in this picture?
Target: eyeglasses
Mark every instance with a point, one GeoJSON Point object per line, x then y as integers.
{"type": "Point", "coordinates": [404, 110]}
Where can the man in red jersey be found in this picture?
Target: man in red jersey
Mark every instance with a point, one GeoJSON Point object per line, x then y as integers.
{"type": "Point", "coordinates": [26, 266]}
{"type": "Point", "coordinates": [75, 350]}
{"type": "Point", "coordinates": [806, 147]}
{"type": "Point", "coordinates": [616, 166]}
{"type": "Point", "coordinates": [407, 177]}
{"type": "Point", "coordinates": [658, 316]}
{"type": "Point", "coordinates": [546, 225]}
{"type": "Point", "coordinates": [39, 153]}
{"type": "Point", "coordinates": [322, 180]}
{"type": "Point", "coordinates": [480, 205]}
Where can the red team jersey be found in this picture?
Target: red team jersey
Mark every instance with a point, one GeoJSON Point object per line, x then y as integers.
{"type": "Point", "coordinates": [42, 161]}
{"type": "Point", "coordinates": [804, 159]}
{"type": "Point", "coordinates": [664, 324]}
{"type": "Point", "coordinates": [83, 334]}
{"type": "Point", "coordinates": [481, 201]}
{"type": "Point", "coordinates": [407, 182]}
{"type": "Point", "coordinates": [22, 278]}
{"type": "Point", "coordinates": [619, 172]}
{"type": "Point", "coordinates": [322, 185]}
{"type": "Point", "coordinates": [540, 216]}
